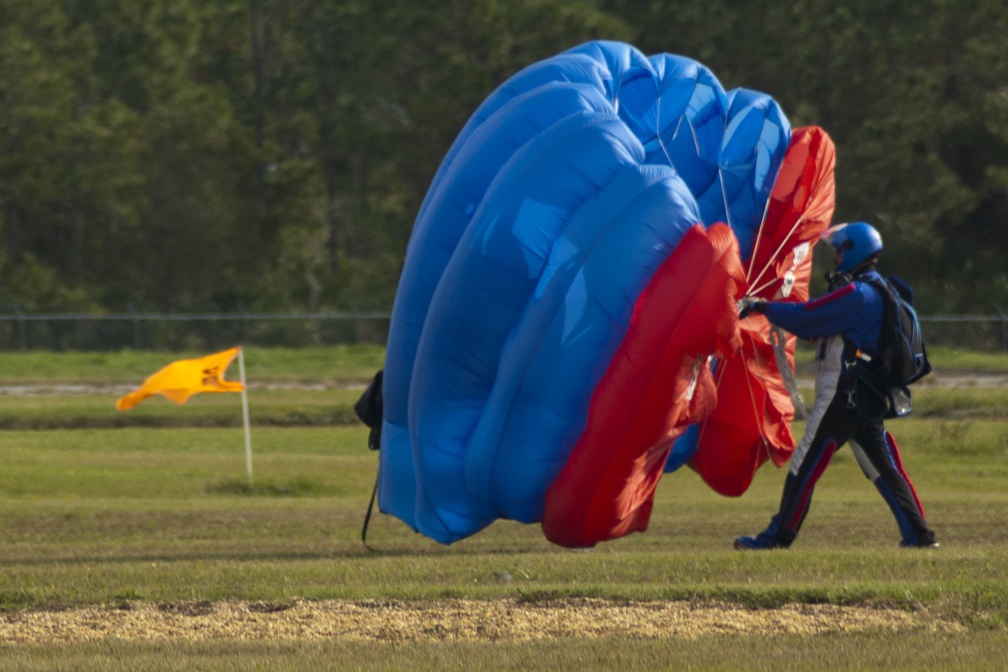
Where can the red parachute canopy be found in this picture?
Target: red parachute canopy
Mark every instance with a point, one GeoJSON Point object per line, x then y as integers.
{"type": "Point", "coordinates": [752, 418]}
{"type": "Point", "coordinates": [657, 384]}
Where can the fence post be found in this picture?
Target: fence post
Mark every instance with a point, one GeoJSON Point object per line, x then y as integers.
{"type": "Point", "coordinates": [244, 322]}
{"type": "Point", "coordinates": [1004, 327]}
{"type": "Point", "coordinates": [356, 322]}
{"type": "Point", "coordinates": [136, 325]}
{"type": "Point", "coordinates": [22, 328]}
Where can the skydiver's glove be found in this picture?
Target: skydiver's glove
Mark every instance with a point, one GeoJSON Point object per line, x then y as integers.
{"type": "Point", "coordinates": [749, 305]}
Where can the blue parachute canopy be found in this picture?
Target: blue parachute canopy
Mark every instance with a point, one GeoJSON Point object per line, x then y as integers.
{"type": "Point", "coordinates": [558, 201]}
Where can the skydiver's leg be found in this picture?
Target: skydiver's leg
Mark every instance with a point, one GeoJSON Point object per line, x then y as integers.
{"type": "Point", "coordinates": [879, 449]}
{"type": "Point", "coordinates": [810, 460]}
{"type": "Point", "coordinates": [873, 475]}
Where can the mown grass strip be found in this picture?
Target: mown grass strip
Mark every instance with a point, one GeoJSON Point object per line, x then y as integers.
{"type": "Point", "coordinates": [321, 363]}
{"type": "Point", "coordinates": [318, 363]}
{"type": "Point", "coordinates": [161, 511]}
{"type": "Point", "coordinates": [333, 407]}
{"type": "Point", "coordinates": [168, 514]}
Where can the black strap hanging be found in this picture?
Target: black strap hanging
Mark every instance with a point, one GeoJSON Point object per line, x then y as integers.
{"type": "Point", "coordinates": [369, 409]}
{"type": "Point", "coordinates": [367, 516]}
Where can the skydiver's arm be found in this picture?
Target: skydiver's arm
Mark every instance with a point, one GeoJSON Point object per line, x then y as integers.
{"type": "Point", "coordinates": [834, 313]}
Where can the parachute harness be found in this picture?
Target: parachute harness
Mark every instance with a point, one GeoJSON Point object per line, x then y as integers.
{"type": "Point", "coordinates": [778, 341]}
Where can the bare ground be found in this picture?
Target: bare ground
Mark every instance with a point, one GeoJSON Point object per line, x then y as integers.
{"type": "Point", "coordinates": [457, 620]}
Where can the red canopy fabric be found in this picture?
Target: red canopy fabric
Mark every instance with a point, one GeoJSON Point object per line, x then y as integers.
{"type": "Point", "coordinates": [657, 384]}
{"type": "Point", "coordinates": [751, 421]}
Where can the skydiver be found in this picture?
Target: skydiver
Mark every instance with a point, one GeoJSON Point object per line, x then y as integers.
{"type": "Point", "coordinates": [851, 310]}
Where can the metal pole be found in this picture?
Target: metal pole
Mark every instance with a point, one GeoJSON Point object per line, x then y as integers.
{"type": "Point", "coordinates": [1004, 327]}
{"type": "Point", "coordinates": [245, 414]}
{"type": "Point", "coordinates": [22, 328]}
{"type": "Point", "coordinates": [244, 322]}
{"type": "Point", "coordinates": [136, 325]}
{"type": "Point", "coordinates": [356, 323]}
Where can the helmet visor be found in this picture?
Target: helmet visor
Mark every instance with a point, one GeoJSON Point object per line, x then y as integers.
{"type": "Point", "coordinates": [836, 236]}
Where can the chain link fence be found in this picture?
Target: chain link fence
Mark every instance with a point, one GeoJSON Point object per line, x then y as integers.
{"type": "Point", "coordinates": [190, 331]}
{"type": "Point", "coordinates": [203, 331]}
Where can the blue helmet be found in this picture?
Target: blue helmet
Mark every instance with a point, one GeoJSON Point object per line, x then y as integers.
{"type": "Point", "coordinates": [859, 242]}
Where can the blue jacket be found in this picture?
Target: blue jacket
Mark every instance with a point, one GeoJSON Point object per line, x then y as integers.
{"type": "Point", "coordinates": [853, 311]}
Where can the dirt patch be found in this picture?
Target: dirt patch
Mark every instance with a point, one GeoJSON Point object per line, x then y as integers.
{"type": "Point", "coordinates": [456, 620]}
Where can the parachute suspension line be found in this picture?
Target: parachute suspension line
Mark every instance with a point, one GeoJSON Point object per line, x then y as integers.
{"type": "Point", "coordinates": [700, 362]}
{"type": "Point", "coordinates": [724, 196]}
{"type": "Point", "coordinates": [752, 397]}
{"type": "Point", "coordinates": [668, 157]}
{"type": "Point", "coordinates": [756, 290]}
{"type": "Point", "coordinates": [722, 363]}
{"type": "Point", "coordinates": [661, 142]}
{"type": "Point", "coordinates": [657, 132]}
{"type": "Point", "coordinates": [759, 236]}
{"type": "Point", "coordinates": [780, 247]}
{"type": "Point", "coordinates": [778, 341]}
{"type": "Point", "coordinates": [615, 93]}
{"type": "Point", "coordinates": [696, 138]}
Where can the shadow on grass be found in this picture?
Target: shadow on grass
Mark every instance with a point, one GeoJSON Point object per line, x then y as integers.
{"type": "Point", "coordinates": [299, 487]}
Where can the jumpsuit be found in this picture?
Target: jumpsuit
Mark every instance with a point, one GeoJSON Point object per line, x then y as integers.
{"type": "Point", "coordinates": [854, 311]}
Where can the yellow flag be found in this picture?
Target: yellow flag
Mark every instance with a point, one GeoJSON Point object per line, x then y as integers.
{"type": "Point", "coordinates": [180, 380]}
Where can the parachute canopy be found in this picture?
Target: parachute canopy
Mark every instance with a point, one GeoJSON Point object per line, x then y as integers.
{"type": "Point", "coordinates": [573, 267]}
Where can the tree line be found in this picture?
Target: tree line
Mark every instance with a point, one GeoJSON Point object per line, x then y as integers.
{"type": "Point", "coordinates": [185, 155]}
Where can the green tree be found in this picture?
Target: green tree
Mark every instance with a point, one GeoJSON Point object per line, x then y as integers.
{"type": "Point", "coordinates": [913, 94]}
{"type": "Point", "coordinates": [272, 154]}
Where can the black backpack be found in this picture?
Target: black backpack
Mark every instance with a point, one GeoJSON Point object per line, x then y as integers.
{"type": "Point", "coordinates": [370, 409]}
{"type": "Point", "coordinates": [901, 359]}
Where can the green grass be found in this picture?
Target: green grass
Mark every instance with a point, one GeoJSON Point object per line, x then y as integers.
{"type": "Point", "coordinates": [181, 495]}
{"type": "Point", "coordinates": [942, 358]}
{"type": "Point", "coordinates": [96, 410]}
{"type": "Point", "coordinates": [330, 363]}
{"type": "Point", "coordinates": [326, 405]}
{"type": "Point", "coordinates": [155, 505]}
{"type": "Point", "coordinates": [879, 650]}
{"type": "Point", "coordinates": [871, 651]}
{"type": "Point", "coordinates": [951, 358]}
{"type": "Point", "coordinates": [315, 364]}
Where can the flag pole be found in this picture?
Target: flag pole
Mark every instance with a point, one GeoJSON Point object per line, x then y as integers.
{"type": "Point", "coordinates": [245, 413]}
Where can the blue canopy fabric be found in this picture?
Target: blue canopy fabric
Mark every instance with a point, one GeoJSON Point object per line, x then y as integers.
{"type": "Point", "coordinates": [566, 190]}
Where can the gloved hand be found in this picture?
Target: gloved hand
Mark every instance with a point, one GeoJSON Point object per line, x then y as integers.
{"type": "Point", "coordinates": [748, 305]}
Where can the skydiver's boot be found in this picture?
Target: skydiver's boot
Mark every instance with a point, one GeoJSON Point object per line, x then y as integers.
{"type": "Point", "coordinates": [772, 537]}
{"type": "Point", "coordinates": [899, 494]}
{"type": "Point", "coordinates": [915, 533]}
{"type": "Point", "coordinates": [776, 535]}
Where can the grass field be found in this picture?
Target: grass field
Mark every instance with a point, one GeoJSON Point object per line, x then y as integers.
{"type": "Point", "coordinates": [136, 541]}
